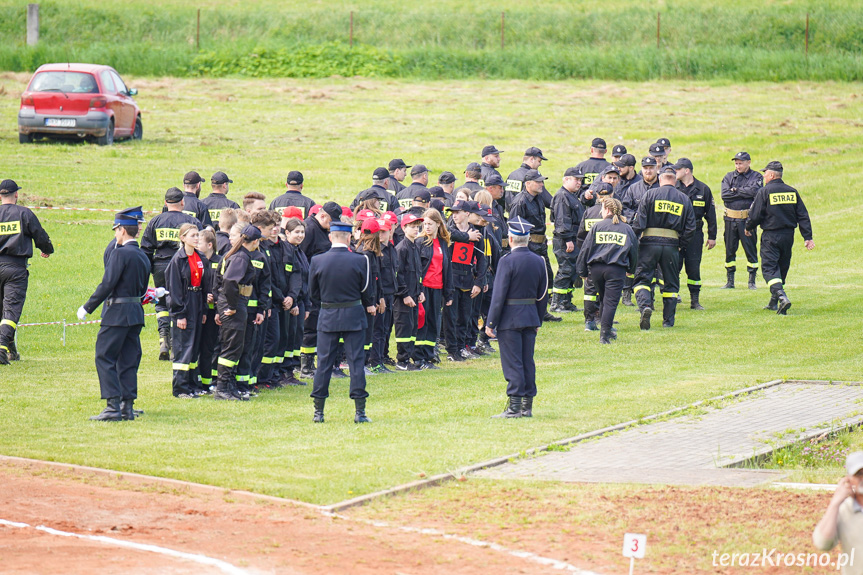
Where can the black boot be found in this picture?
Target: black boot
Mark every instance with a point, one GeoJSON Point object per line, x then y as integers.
{"type": "Point", "coordinates": [527, 407]}
{"type": "Point", "coordinates": [360, 416]}
{"type": "Point", "coordinates": [164, 345]}
{"type": "Point", "coordinates": [4, 356]}
{"type": "Point", "coordinates": [752, 274]}
{"type": "Point", "coordinates": [549, 317]}
{"type": "Point", "coordinates": [307, 365]}
{"type": "Point", "coordinates": [669, 307]}
{"type": "Point", "coordinates": [645, 318]}
{"type": "Point", "coordinates": [13, 351]}
{"type": "Point", "coordinates": [784, 303]}
{"type": "Point", "coordinates": [567, 304]}
{"type": "Point", "coordinates": [513, 409]}
{"type": "Point", "coordinates": [126, 410]}
{"type": "Point", "coordinates": [319, 409]}
{"type": "Point", "coordinates": [693, 300]}
{"type": "Point", "coordinates": [729, 284]}
{"type": "Point", "coordinates": [111, 412]}
{"type": "Point", "coordinates": [555, 303]}
{"type": "Point", "coordinates": [604, 336]}
{"type": "Point", "coordinates": [772, 304]}
{"type": "Point", "coordinates": [626, 297]}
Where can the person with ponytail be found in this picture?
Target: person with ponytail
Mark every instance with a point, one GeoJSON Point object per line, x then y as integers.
{"type": "Point", "coordinates": [609, 252]}
{"type": "Point", "coordinates": [437, 285]}
{"type": "Point", "coordinates": [207, 245]}
{"type": "Point", "coordinates": [368, 244]}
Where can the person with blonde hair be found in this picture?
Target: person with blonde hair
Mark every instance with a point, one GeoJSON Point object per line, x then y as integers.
{"type": "Point", "coordinates": [437, 284]}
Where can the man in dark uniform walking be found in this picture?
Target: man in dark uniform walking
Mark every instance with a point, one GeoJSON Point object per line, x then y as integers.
{"type": "Point", "coordinates": [398, 170]}
{"type": "Point", "coordinates": [778, 209]}
{"type": "Point", "coordinates": [702, 204]}
{"type": "Point", "coordinates": [19, 230]}
{"type": "Point", "coordinates": [665, 222]}
{"type": "Point", "coordinates": [738, 190]}
{"type": "Point", "coordinates": [420, 177]}
{"type": "Point", "coordinates": [118, 345]}
{"type": "Point", "coordinates": [191, 204]}
{"type": "Point", "coordinates": [518, 304]}
{"type": "Point", "coordinates": [379, 191]}
{"type": "Point", "coordinates": [294, 195]}
{"type": "Point", "coordinates": [528, 205]}
{"type": "Point", "coordinates": [340, 279]}
{"type": "Point", "coordinates": [160, 242]}
{"type": "Point", "coordinates": [531, 160]}
{"type": "Point", "coordinates": [490, 163]}
{"type": "Point", "coordinates": [218, 199]}
{"type": "Point", "coordinates": [567, 211]}
{"type": "Point", "coordinates": [595, 164]}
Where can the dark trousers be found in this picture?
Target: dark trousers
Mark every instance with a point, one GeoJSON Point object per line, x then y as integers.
{"type": "Point", "coordinates": [734, 235]}
{"type": "Point", "coordinates": [13, 292]}
{"type": "Point", "coordinates": [516, 359]}
{"type": "Point", "coordinates": [776, 257]}
{"type": "Point", "coordinates": [609, 281]}
{"type": "Point", "coordinates": [458, 317]}
{"type": "Point", "coordinates": [310, 331]}
{"type": "Point", "coordinates": [427, 335]}
{"type": "Point", "coordinates": [405, 320]}
{"type": "Point", "coordinates": [232, 337]}
{"type": "Point", "coordinates": [591, 299]}
{"type": "Point", "coordinates": [163, 316]}
{"type": "Point", "coordinates": [251, 341]}
{"type": "Point", "coordinates": [473, 325]}
{"type": "Point", "coordinates": [565, 278]}
{"type": "Point", "coordinates": [369, 338]}
{"type": "Point", "coordinates": [209, 349]}
{"type": "Point", "coordinates": [328, 349]}
{"type": "Point", "coordinates": [668, 259]}
{"type": "Point", "coordinates": [690, 258]}
{"type": "Point", "coordinates": [383, 326]}
{"type": "Point", "coordinates": [185, 347]}
{"type": "Point", "coordinates": [541, 249]}
{"type": "Point", "coordinates": [295, 336]}
{"type": "Point", "coordinates": [270, 358]}
{"type": "Point", "coordinates": [118, 355]}
{"type": "Point", "coordinates": [484, 307]}
{"type": "Point", "coordinates": [281, 366]}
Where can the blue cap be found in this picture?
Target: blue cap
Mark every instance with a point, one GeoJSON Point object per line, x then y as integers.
{"type": "Point", "coordinates": [129, 217]}
{"type": "Point", "coordinates": [252, 233]}
{"type": "Point", "coordinates": [494, 180]}
{"type": "Point", "coordinates": [341, 227]}
{"type": "Point", "coordinates": [519, 227]}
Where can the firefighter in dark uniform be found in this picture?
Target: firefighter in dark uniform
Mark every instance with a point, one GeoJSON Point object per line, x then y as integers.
{"type": "Point", "coordinates": [738, 190]}
{"type": "Point", "coordinates": [490, 163]}
{"type": "Point", "coordinates": [293, 196]}
{"type": "Point", "coordinates": [340, 280]}
{"type": "Point", "coordinates": [702, 204]}
{"type": "Point", "coordinates": [160, 242]}
{"type": "Point", "coordinates": [19, 230]}
{"type": "Point", "coordinates": [397, 172]}
{"type": "Point", "coordinates": [191, 204]}
{"type": "Point", "coordinates": [218, 199]}
{"type": "Point", "coordinates": [232, 305]}
{"type": "Point", "coordinates": [529, 206]}
{"type": "Point", "coordinates": [628, 179]}
{"type": "Point", "coordinates": [778, 209]}
{"type": "Point", "coordinates": [591, 217]}
{"type": "Point", "coordinates": [420, 177]}
{"type": "Point", "coordinates": [609, 253]}
{"type": "Point", "coordinates": [447, 180]}
{"type": "Point", "coordinates": [595, 164]}
{"type": "Point", "coordinates": [118, 345]}
{"type": "Point", "coordinates": [657, 151]}
{"type": "Point", "coordinates": [472, 177]}
{"type": "Point", "coordinates": [518, 304]}
{"type": "Point", "coordinates": [567, 212]}
{"type": "Point", "coordinates": [618, 152]}
{"type": "Point", "coordinates": [665, 223]}
{"type": "Point", "coordinates": [387, 201]}
{"type": "Point", "coordinates": [531, 160]}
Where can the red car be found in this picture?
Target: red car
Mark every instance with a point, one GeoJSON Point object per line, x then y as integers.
{"type": "Point", "coordinates": [78, 101]}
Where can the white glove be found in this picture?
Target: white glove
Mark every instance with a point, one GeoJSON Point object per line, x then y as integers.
{"type": "Point", "coordinates": [161, 292]}
{"type": "Point", "coordinates": [82, 313]}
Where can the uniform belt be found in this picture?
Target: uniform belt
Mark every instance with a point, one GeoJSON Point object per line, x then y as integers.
{"type": "Point", "coordinates": [194, 288]}
{"type": "Point", "coordinates": [116, 300]}
{"type": "Point", "coordinates": [736, 214]}
{"type": "Point", "coordinates": [340, 305]}
{"type": "Point", "coordinates": [527, 301]}
{"type": "Point", "coordinates": [660, 233]}
{"type": "Point", "coordinates": [245, 291]}
{"type": "Point", "coordinates": [538, 238]}
{"type": "Point", "coordinates": [504, 243]}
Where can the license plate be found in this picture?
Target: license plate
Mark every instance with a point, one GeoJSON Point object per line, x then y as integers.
{"type": "Point", "coordinates": [60, 122]}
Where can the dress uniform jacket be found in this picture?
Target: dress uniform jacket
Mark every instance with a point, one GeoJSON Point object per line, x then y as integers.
{"type": "Point", "coordinates": [340, 280]}
{"type": "Point", "coordinates": [194, 207]}
{"type": "Point", "coordinates": [215, 204]}
{"type": "Point", "coordinates": [520, 291]}
{"type": "Point", "coordinates": [126, 275]}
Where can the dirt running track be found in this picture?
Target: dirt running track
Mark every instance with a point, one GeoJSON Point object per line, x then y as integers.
{"type": "Point", "coordinates": [254, 535]}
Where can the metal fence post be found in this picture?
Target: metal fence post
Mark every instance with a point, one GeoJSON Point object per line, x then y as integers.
{"type": "Point", "coordinates": [64, 333]}
{"type": "Point", "coordinates": [198, 32]}
{"type": "Point", "coordinates": [32, 24]}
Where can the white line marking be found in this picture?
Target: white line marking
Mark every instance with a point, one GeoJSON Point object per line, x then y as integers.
{"type": "Point", "coordinates": [807, 486]}
{"type": "Point", "coordinates": [554, 563]}
{"type": "Point", "coordinates": [202, 559]}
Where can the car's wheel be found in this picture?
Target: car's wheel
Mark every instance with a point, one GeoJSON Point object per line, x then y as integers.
{"type": "Point", "coordinates": [139, 129]}
{"type": "Point", "coordinates": [108, 138]}
{"type": "Point", "coordinates": [25, 138]}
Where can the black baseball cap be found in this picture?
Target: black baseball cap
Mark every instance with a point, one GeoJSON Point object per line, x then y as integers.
{"type": "Point", "coordinates": [773, 166]}
{"type": "Point", "coordinates": [221, 178]}
{"type": "Point", "coordinates": [473, 166]}
{"type": "Point", "coordinates": [459, 206]}
{"type": "Point", "coordinates": [664, 142]}
{"type": "Point", "coordinates": [657, 150]}
{"type": "Point", "coordinates": [618, 150]}
{"type": "Point", "coordinates": [535, 152]}
{"type": "Point", "coordinates": [604, 189]}
{"type": "Point", "coordinates": [489, 150]}
{"type": "Point", "coordinates": [575, 172]}
{"type": "Point", "coordinates": [614, 169]}
{"type": "Point", "coordinates": [743, 156]}
{"type": "Point", "coordinates": [534, 176]}
{"type": "Point", "coordinates": [295, 178]}
{"type": "Point", "coordinates": [8, 187]}
{"type": "Point", "coordinates": [648, 161]}
{"type": "Point", "coordinates": [422, 196]}
{"type": "Point", "coordinates": [397, 163]}
{"type": "Point", "coordinates": [380, 174]}
{"type": "Point", "coordinates": [437, 192]}
{"type": "Point", "coordinates": [625, 160]}
{"type": "Point", "coordinates": [683, 163]}
{"type": "Point", "coordinates": [173, 196]}
{"type": "Point", "coordinates": [668, 170]}
{"type": "Point", "coordinates": [418, 169]}
{"type": "Point", "coordinates": [192, 178]}
{"type": "Point", "coordinates": [446, 178]}
{"type": "Point", "coordinates": [333, 210]}
{"type": "Point", "coordinates": [598, 143]}
{"type": "Point", "coordinates": [493, 180]}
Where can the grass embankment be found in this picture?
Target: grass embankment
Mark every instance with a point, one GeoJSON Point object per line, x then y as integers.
{"type": "Point", "coordinates": [557, 40]}
{"type": "Point", "coordinates": [337, 132]}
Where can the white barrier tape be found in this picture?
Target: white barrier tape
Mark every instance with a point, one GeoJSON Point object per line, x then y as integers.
{"type": "Point", "coordinates": [68, 324]}
{"type": "Point", "coordinates": [68, 208]}
{"type": "Point", "coordinates": [223, 566]}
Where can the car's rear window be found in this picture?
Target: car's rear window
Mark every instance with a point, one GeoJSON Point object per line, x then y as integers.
{"type": "Point", "coordinates": [72, 82]}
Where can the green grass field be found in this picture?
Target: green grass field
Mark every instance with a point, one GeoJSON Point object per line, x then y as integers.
{"type": "Point", "coordinates": [337, 131]}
